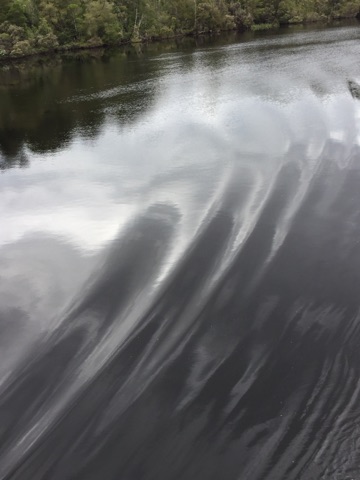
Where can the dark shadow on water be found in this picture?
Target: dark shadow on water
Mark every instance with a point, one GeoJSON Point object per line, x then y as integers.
{"type": "Point", "coordinates": [47, 101]}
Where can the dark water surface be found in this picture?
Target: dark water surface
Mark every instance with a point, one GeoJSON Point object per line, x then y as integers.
{"type": "Point", "coordinates": [180, 261]}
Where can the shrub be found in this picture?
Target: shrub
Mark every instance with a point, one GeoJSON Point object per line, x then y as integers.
{"type": "Point", "coordinates": [21, 48]}
{"type": "Point", "coordinates": [47, 42]}
{"type": "Point", "coordinates": [5, 41]}
{"type": "Point", "coordinates": [95, 42]}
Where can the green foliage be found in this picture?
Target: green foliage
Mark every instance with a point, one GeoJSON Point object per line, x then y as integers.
{"type": "Point", "coordinates": [30, 26]}
{"type": "Point", "coordinates": [21, 48]}
{"type": "Point", "coordinates": [16, 14]}
{"type": "Point", "coordinates": [101, 21]}
{"type": "Point", "coordinates": [46, 42]}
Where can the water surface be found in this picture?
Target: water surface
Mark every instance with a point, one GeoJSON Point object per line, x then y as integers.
{"type": "Point", "coordinates": [180, 261]}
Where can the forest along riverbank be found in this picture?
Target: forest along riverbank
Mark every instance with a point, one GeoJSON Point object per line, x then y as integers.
{"type": "Point", "coordinates": [37, 26]}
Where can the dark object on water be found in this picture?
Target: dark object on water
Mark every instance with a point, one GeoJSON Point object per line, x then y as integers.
{"type": "Point", "coordinates": [354, 89]}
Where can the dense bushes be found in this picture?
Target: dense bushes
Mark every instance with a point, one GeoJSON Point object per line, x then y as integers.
{"type": "Point", "coordinates": [29, 26]}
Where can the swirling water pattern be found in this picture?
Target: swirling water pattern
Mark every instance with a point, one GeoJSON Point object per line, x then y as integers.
{"type": "Point", "coordinates": [179, 275]}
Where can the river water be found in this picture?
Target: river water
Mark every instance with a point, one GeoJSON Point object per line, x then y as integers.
{"type": "Point", "coordinates": [180, 261]}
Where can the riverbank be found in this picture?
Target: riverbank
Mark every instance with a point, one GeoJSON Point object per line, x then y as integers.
{"type": "Point", "coordinates": [31, 27]}
{"type": "Point", "coordinates": [74, 48]}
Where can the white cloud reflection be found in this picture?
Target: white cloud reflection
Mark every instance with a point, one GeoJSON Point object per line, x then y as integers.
{"type": "Point", "coordinates": [242, 112]}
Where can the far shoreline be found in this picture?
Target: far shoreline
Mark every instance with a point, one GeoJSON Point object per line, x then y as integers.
{"type": "Point", "coordinates": [256, 29]}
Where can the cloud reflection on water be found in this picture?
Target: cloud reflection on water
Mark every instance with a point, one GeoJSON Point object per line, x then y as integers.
{"type": "Point", "coordinates": [179, 250]}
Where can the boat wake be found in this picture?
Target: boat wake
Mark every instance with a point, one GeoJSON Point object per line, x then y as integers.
{"type": "Point", "coordinates": [191, 363]}
{"type": "Point", "coordinates": [216, 335]}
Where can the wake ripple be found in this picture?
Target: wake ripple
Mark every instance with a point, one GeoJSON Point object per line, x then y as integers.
{"type": "Point", "coordinates": [242, 363]}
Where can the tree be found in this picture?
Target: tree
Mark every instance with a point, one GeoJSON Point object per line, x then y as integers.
{"type": "Point", "coordinates": [16, 14]}
{"type": "Point", "coordinates": [47, 24]}
{"type": "Point", "coordinates": [101, 21]}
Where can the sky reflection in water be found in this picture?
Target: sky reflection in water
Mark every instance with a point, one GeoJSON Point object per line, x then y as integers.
{"type": "Point", "coordinates": [181, 244]}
